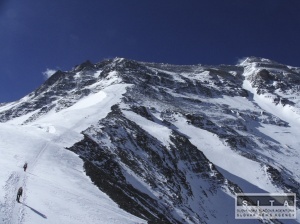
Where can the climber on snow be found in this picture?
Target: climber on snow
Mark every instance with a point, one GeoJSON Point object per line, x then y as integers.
{"type": "Point", "coordinates": [20, 192]}
{"type": "Point", "coordinates": [25, 167]}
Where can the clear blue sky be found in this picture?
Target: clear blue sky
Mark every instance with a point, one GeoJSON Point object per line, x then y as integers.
{"type": "Point", "coordinates": [58, 34]}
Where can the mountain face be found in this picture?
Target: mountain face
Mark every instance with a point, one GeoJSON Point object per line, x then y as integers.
{"type": "Point", "coordinates": [181, 141]}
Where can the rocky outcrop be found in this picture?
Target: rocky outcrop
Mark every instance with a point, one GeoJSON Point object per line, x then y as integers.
{"type": "Point", "coordinates": [118, 154]}
{"type": "Point", "coordinates": [171, 180]}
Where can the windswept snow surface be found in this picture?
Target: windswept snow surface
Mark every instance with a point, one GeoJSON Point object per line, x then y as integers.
{"type": "Point", "coordinates": [289, 137]}
{"type": "Point", "coordinates": [55, 187]}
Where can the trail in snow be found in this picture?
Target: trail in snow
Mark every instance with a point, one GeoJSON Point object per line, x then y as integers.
{"type": "Point", "coordinates": [9, 207]}
{"type": "Point", "coordinates": [14, 212]}
{"type": "Point", "coordinates": [55, 187]}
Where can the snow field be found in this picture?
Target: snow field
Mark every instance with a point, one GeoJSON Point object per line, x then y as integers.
{"type": "Point", "coordinates": [55, 187]}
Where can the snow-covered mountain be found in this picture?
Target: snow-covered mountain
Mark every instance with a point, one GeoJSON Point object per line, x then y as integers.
{"type": "Point", "coordinates": [123, 141]}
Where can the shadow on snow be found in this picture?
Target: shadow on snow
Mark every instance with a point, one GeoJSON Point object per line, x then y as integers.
{"type": "Point", "coordinates": [37, 212]}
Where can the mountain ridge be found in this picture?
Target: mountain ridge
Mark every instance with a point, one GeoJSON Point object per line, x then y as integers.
{"type": "Point", "coordinates": [174, 145]}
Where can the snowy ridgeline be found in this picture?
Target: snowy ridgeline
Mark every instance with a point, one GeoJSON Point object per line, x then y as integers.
{"type": "Point", "coordinates": [55, 187]}
{"type": "Point", "coordinates": [159, 143]}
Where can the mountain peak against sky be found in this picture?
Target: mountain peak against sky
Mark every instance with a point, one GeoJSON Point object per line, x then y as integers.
{"type": "Point", "coordinates": [86, 64]}
{"type": "Point", "coordinates": [170, 32]}
{"type": "Point", "coordinates": [253, 59]}
{"type": "Point", "coordinates": [83, 78]}
{"type": "Point", "coordinates": [150, 142]}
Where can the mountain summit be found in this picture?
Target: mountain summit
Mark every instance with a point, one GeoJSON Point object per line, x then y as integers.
{"type": "Point", "coordinates": [167, 143]}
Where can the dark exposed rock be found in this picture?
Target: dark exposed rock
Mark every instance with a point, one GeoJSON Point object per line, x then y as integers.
{"type": "Point", "coordinates": [265, 75]}
{"type": "Point", "coordinates": [289, 185]}
{"type": "Point", "coordinates": [141, 110]}
{"type": "Point", "coordinates": [131, 148]}
{"type": "Point", "coordinates": [158, 179]}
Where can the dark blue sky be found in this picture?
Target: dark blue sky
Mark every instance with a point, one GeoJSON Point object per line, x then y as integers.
{"type": "Point", "coordinates": [36, 35]}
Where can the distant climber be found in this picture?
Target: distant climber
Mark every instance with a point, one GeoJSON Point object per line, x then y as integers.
{"type": "Point", "coordinates": [20, 192]}
{"type": "Point", "coordinates": [25, 167]}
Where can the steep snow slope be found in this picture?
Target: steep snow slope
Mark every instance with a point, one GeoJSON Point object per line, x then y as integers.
{"type": "Point", "coordinates": [167, 143]}
{"type": "Point", "coordinates": [56, 189]}
{"type": "Point", "coordinates": [287, 108]}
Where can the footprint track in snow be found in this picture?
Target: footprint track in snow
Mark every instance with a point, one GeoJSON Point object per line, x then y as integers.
{"type": "Point", "coordinates": [9, 205]}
